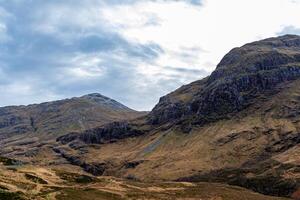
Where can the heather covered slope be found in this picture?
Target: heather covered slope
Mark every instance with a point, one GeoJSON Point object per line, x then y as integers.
{"type": "Point", "coordinates": [240, 125]}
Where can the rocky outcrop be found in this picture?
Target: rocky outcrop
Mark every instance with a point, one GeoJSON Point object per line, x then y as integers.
{"type": "Point", "coordinates": [242, 75]}
{"type": "Point", "coordinates": [105, 134]}
{"type": "Point", "coordinates": [97, 169]}
{"type": "Point", "coordinates": [133, 164]}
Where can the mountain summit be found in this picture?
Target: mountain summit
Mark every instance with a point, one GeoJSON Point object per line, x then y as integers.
{"type": "Point", "coordinates": [105, 101]}
{"type": "Point", "coordinates": [242, 75]}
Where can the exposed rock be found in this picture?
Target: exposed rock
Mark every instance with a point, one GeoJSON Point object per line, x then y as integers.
{"type": "Point", "coordinates": [106, 134]}
{"type": "Point", "coordinates": [133, 164]}
{"type": "Point", "coordinates": [97, 169]}
{"type": "Point", "coordinates": [10, 162]}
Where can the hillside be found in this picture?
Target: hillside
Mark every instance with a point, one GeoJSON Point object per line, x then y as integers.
{"type": "Point", "coordinates": [24, 129]}
{"type": "Point", "coordinates": [239, 126]}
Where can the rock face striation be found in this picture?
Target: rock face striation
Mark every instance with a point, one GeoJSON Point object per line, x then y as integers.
{"type": "Point", "coordinates": [239, 78]}
{"type": "Point", "coordinates": [105, 134]}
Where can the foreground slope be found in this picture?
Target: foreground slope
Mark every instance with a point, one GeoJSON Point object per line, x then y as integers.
{"type": "Point", "coordinates": [240, 125]}
{"type": "Point", "coordinates": [24, 182]}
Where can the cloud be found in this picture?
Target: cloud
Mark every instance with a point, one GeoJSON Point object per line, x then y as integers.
{"type": "Point", "coordinates": [289, 30]}
{"type": "Point", "coordinates": [67, 48]}
{"type": "Point", "coordinates": [131, 50]}
{"type": "Point", "coordinates": [4, 16]}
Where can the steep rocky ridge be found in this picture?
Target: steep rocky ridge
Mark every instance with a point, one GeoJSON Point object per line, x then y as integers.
{"type": "Point", "coordinates": [239, 78]}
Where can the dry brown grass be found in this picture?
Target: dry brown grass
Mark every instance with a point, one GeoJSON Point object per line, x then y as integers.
{"type": "Point", "coordinates": [59, 188]}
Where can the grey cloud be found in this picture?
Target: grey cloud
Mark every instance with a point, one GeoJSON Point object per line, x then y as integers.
{"type": "Point", "coordinates": [197, 72]}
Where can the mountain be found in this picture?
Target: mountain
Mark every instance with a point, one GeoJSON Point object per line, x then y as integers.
{"type": "Point", "coordinates": [241, 76]}
{"type": "Point", "coordinates": [238, 126]}
{"type": "Point", "coordinates": [22, 128]}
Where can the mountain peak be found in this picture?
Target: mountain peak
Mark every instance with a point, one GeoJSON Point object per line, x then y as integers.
{"type": "Point", "coordinates": [243, 73]}
{"type": "Point", "coordinates": [271, 51]}
{"type": "Point", "coordinates": [95, 95]}
{"type": "Point", "coordinates": [61, 116]}
{"type": "Point", "coordinates": [287, 40]}
{"type": "Point", "coordinates": [106, 101]}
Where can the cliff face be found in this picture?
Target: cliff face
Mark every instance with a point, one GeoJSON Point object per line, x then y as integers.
{"type": "Point", "coordinates": [240, 77]}
{"type": "Point", "coordinates": [105, 134]}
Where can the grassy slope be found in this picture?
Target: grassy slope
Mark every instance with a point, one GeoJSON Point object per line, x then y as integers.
{"type": "Point", "coordinates": [48, 184]}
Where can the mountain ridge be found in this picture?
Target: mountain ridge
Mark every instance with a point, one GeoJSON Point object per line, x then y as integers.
{"type": "Point", "coordinates": [235, 119]}
{"type": "Point", "coordinates": [231, 86]}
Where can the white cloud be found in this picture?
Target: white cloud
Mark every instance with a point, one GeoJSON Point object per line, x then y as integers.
{"type": "Point", "coordinates": [70, 20]}
{"type": "Point", "coordinates": [27, 92]}
{"type": "Point", "coordinates": [85, 66]}
{"type": "Point", "coordinates": [215, 27]}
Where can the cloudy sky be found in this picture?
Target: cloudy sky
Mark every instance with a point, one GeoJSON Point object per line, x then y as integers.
{"type": "Point", "coordinates": [131, 50]}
